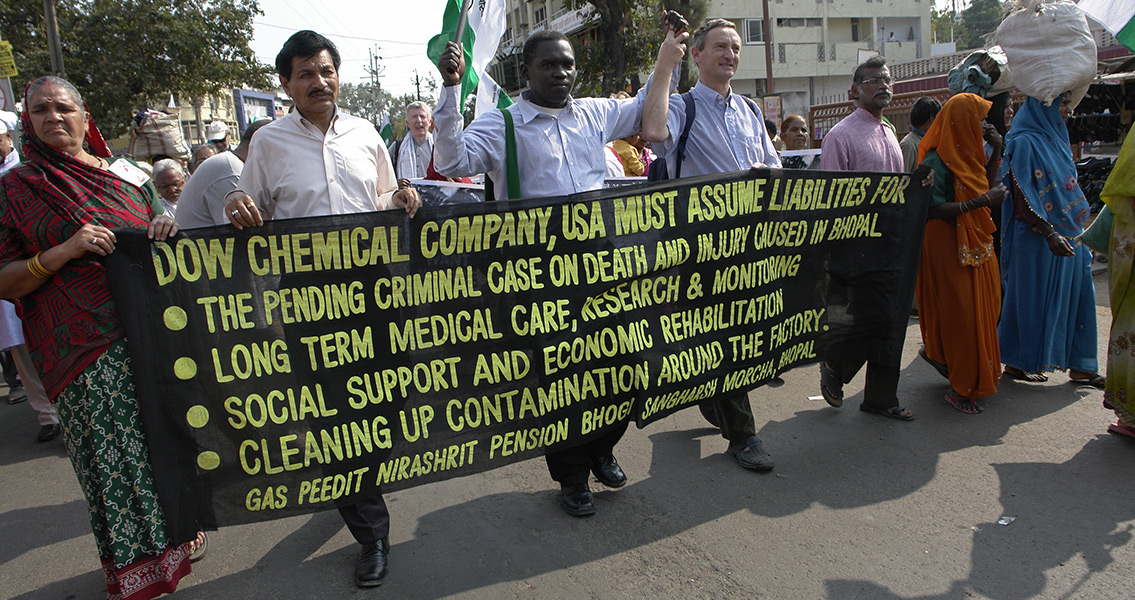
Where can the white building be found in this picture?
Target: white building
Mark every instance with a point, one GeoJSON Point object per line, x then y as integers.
{"type": "Point", "coordinates": [815, 45]}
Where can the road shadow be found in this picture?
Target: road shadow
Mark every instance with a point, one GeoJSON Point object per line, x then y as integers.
{"type": "Point", "coordinates": [26, 529]}
{"type": "Point", "coordinates": [1077, 509]}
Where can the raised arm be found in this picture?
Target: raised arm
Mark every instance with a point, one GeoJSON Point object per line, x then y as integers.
{"type": "Point", "coordinates": [654, 110]}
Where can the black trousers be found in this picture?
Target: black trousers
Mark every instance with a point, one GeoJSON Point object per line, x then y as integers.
{"type": "Point", "coordinates": [571, 466]}
{"type": "Point", "coordinates": [734, 416]}
{"type": "Point", "coordinates": [881, 390]}
{"type": "Point", "coordinates": [367, 519]}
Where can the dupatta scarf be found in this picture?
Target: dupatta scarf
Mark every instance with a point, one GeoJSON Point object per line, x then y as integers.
{"type": "Point", "coordinates": [1039, 155]}
{"type": "Point", "coordinates": [70, 320]}
{"type": "Point", "coordinates": [956, 135]}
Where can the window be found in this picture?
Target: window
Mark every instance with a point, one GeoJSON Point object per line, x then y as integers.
{"type": "Point", "coordinates": [754, 31]}
{"type": "Point", "coordinates": [540, 14]}
{"type": "Point", "coordinates": [855, 30]}
{"type": "Point", "coordinates": [799, 22]}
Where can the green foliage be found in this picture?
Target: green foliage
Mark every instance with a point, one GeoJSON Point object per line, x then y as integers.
{"type": "Point", "coordinates": [980, 18]}
{"type": "Point", "coordinates": [126, 54]}
{"type": "Point", "coordinates": [943, 24]}
{"type": "Point", "coordinates": [365, 100]}
{"type": "Point", "coordinates": [616, 56]}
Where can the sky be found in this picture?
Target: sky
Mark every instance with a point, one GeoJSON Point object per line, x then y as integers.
{"type": "Point", "coordinates": [398, 28]}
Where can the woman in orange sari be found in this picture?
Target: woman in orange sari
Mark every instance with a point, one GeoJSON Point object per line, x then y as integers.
{"type": "Point", "coordinates": [959, 284]}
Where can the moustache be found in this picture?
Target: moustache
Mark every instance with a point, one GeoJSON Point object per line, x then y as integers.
{"type": "Point", "coordinates": [320, 91]}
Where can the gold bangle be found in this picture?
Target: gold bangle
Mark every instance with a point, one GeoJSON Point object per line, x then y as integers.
{"type": "Point", "coordinates": [37, 269]}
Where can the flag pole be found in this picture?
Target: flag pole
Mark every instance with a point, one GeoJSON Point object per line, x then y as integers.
{"type": "Point", "coordinates": [462, 19]}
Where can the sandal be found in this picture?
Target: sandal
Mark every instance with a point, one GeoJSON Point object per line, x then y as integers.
{"type": "Point", "coordinates": [898, 413]}
{"type": "Point", "coordinates": [830, 385]}
{"type": "Point", "coordinates": [1093, 379]}
{"type": "Point", "coordinates": [942, 369]}
{"type": "Point", "coordinates": [1121, 429]}
{"type": "Point", "coordinates": [963, 403]}
{"type": "Point", "coordinates": [198, 547]}
{"type": "Point", "coordinates": [1016, 373]}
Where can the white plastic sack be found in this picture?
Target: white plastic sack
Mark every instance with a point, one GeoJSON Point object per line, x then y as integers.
{"type": "Point", "coordinates": [1050, 49]}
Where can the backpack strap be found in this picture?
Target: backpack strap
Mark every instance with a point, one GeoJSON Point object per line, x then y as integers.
{"type": "Point", "coordinates": [688, 97]}
{"type": "Point", "coordinates": [512, 171]}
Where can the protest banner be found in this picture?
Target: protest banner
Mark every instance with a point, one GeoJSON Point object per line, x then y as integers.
{"type": "Point", "coordinates": [284, 368]}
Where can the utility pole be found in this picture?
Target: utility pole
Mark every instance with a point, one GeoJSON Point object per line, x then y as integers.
{"type": "Point", "coordinates": [374, 69]}
{"type": "Point", "coordinates": [53, 38]}
{"type": "Point", "coordinates": [417, 85]}
{"type": "Point", "coordinates": [767, 34]}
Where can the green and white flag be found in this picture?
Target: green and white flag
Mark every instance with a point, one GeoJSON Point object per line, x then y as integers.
{"type": "Point", "coordinates": [482, 35]}
{"type": "Point", "coordinates": [490, 96]}
{"type": "Point", "coordinates": [1118, 16]}
{"type": "Point", "coordinates": [386, 131]}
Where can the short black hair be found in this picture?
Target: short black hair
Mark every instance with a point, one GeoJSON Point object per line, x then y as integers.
{"type": "Point", "coordinates": [304, 44]}
{"type": "Point", "coordinates": [770, 125]}
{"type": "Point", "coordinates": [534, 41]}
{"type": "Point", "coordinates": [924, 109]}
{"type": "Point", "coordinates": [874, 62]}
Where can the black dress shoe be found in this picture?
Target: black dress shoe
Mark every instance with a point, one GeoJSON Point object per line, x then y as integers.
{"type": "Point", "coordinates": [751, 454]}
{"type": "Point", "coordinates": [608, 472]}
{"type": "Point", "coordinates": [370, 570]}
{"type": "Point", "coordinates": [577, 501]}
{"type": "Point", "coordinates": [48, 432]}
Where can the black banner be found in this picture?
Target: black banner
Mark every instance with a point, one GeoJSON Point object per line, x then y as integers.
{"type": "Point", "coordinates": [285, 368]}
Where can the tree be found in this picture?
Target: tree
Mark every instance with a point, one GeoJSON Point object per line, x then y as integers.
{"type": "Point", "coordinates": [126, 54]}
{"type": "Point", "coordinates": [942, 24]}
{"type": "Point", "coordinates": [979, 19]}
{"type": "Point", "coordinates": [366, 100]}
{"type": "Point", "coordinates": [624, 43]}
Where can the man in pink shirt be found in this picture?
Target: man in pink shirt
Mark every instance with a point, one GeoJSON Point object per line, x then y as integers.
{"type": "Point", "coordinates": [864, 141]}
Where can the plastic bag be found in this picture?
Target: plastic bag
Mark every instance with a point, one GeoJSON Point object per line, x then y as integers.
{"type": "Point", "coordinates": [1050, 50]}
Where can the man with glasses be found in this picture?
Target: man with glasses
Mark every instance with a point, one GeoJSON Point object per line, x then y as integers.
{"type": "Point", "coordinates": [864, 141]}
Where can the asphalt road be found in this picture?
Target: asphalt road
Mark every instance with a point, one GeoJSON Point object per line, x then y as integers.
{"type": "Point", "coordinates": [858, 507]}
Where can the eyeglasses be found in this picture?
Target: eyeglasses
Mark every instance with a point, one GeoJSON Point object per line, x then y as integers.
{"type": "Point", "coordinates": [877, 81]}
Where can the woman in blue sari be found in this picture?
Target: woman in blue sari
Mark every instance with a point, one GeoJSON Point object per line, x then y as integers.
{"type": "Point", "coordinates": [1048, 319]}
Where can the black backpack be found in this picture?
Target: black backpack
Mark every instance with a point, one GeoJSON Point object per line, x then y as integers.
{"type": "Point", "coordinates": [657, 170]}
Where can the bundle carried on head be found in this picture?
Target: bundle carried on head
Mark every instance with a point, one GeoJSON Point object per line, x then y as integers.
{"type": "Point", "coordinates": [1049, 48]}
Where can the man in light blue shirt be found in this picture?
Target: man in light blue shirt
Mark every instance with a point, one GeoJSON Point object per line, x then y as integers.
{"type": "Point", "coordinates": [559, 150]}
{"type": "Point", "coordinates": [727, 134]}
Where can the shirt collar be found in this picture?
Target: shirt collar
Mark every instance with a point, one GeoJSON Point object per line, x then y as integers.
{"type": "Point", "coordinates": [307, 125]}
{"type": "Point", "coordinates": [528, 110]}
{"type": "Point", "coordinates": [710, 96]}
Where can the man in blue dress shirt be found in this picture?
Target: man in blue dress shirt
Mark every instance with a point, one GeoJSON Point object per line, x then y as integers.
{"type": "Point", "coordinates": [727, 134]}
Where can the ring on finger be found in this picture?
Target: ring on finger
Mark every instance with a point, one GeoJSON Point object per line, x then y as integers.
{"type": "Point", "coordinates": [234, 213]}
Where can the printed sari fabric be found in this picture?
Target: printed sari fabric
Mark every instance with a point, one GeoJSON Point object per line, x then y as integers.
{"type": "Point", "coordinates": [1048, 319]}
{"type": "Point", "coordinates": [73, 333]}
{"type": "Point", "coordinates": [1119, 194]}
{"type": "Point", "coordinates": [959, 290]}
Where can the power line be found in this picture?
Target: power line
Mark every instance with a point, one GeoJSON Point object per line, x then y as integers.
{"type": "Point", "coordinates": [349, 37]}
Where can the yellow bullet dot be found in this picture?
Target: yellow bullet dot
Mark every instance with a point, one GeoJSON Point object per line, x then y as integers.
{"type": "Point", "coordinates": [208, 460]}
{"type": "Point", "coordinates": [175, 318]}
{"type": "Point", "coordinates": [198, 416]}
{"type": "Point", "coordinates": [185, 368]}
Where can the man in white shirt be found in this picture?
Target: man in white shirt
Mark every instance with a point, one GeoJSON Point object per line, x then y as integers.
{"type": "Point", "coordinates": [559, 150]}
{"type": "Point", "coordinates": [416, 149]}
{"type": "Point", "coordinates": [313, 162]}
{"type": "Point", "coordinates": [202, 201]}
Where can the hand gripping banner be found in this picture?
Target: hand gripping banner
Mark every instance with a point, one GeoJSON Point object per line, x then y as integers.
{"type": "Point", "coordinates": [286, 368]}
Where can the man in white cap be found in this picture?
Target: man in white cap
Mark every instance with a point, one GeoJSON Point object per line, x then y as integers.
{"type": "Point", "coordinates": [8, 155]}
{"type": "Point", "coordinates": [218, 135]}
